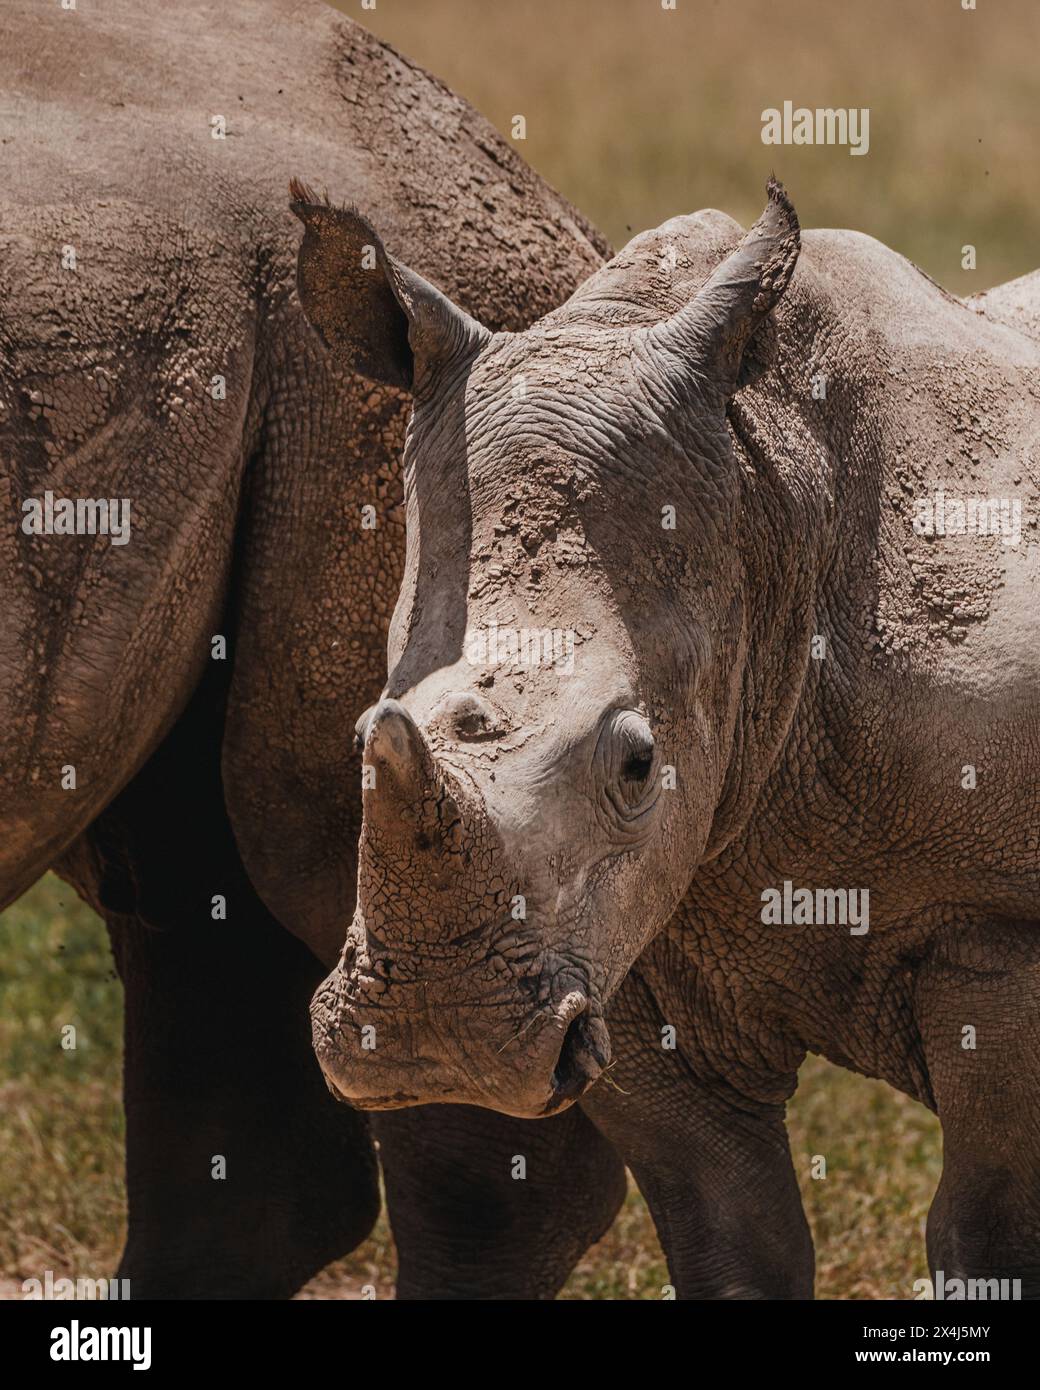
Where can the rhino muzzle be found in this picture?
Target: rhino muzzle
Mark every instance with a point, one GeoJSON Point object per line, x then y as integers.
{"type": "Point", "coordinates": [440, 994]}
{"type": "Point", "coordinates": [382, 1058]}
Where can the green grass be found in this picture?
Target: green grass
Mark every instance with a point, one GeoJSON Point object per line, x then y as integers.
{"type": "Point", "coordinates": [61, 1137]}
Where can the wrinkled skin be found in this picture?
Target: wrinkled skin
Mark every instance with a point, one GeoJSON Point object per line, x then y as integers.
{"type": "Point", "coordinates": [245, 521]}
{"type": "Point", "coordinates": [681, 375]}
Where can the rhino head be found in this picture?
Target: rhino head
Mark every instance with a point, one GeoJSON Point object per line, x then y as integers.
{"type": "Point", "coordinates": [556, 738]}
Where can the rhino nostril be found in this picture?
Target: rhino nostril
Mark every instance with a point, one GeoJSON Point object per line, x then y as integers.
{"type": "Point", "coordinates": [580, 1062]}
{"type": "Point", "coordinates": [468, 717]}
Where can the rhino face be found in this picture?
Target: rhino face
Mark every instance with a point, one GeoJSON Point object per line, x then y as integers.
{"type": "Point", "coordinates": [542, 773]}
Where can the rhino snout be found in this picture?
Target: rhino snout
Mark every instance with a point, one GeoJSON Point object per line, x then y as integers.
{"type": "Point", "coordinates": [536, 1065]}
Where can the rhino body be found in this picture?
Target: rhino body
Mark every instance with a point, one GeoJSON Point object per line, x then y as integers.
{"type": "Point", "coordinates": [784, 798]}
{"type": "Point", "coordinates": [153, 354]}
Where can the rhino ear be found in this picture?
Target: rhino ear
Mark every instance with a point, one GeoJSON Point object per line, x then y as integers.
{"type": "Point", "coordinates": [377, 316]}
{"type": "Point", "coordinates": [713, 332]}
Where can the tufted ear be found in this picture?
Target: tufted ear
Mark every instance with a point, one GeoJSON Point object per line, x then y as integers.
{"type": "Point", "coordinates": [380, 318]}
{"type": "Point", "coordinates": [712, 333]}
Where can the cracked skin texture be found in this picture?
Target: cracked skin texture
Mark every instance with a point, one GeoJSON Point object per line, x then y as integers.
{"type": "Point", "coordinates": [185, 271]}
{"type": "Point", "coordinates": [245, 520]}
{"type": "Point", "coordinates": [794, 519]}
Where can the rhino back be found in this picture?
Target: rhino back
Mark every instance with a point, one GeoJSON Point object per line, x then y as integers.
{"type": "Point", "coordinates": [1016, 304]}
{"type": "Point", "coordinates": [112, 104]}
{"type": "Point", "coordinates": [945, 398]}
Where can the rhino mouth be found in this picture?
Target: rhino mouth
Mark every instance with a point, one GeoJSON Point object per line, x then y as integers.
{"type": "Point", "coordinates": [539, 1072]}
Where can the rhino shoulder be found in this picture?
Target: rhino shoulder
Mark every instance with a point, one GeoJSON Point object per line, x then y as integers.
{"type": "Point", "coordinates": [1015, 304]}
{"type": "Point", "coordinates": [867, 275]}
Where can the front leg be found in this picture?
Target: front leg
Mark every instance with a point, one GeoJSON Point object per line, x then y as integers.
{"type": "Point", "coordinates": [711, 1158]}
{"type": "Point", "coordinates": [244, 1176]}
{"type": "Point", "coordinates": [977, 1001]}
{"type": "Point", "coordinates": [471, 1222]}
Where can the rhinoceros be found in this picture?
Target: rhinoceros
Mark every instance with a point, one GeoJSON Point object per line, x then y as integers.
{"type": "Point", "coordinates": [202, 546]}
{"type": "Point", "coordinates": [711, 728]}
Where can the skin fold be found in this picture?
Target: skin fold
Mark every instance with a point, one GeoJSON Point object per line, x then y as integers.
{"type": "Point", "coordinates": [152, 348]}
{"type": "Point", "coordinates": [706, 468]}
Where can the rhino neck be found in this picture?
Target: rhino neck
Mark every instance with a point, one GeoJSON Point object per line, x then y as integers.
{"type": "Point", "coordinates": [788, 537]}
{"type": "Point", "coordinates": [814, 472]}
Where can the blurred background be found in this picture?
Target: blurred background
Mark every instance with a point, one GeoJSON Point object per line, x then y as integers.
{"type": "Point", "coordinates": [636, 113]}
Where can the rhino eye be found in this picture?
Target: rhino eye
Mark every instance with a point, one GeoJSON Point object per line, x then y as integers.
{"type": "Point", "coordinates": [635, 746]}
{"type": "Point", "coordinates": [637, 766]}
{"type": "Point", "coordinates": [626, 760]}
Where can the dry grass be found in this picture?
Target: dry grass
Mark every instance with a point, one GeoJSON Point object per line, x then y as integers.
{"type": "Point", "coordinates": [61, 1119]}
{"type": "Point", "coordinates": [637, 113]}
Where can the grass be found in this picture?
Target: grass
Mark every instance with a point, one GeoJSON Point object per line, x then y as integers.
{"type": "Point", "coordinates": [61, 1118]}
{"type": "Point", "coordinates": [637, 113]}
{"type": "Point", "coordinates": [61, 1136]}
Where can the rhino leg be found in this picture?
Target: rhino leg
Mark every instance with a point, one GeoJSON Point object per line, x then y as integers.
{"type": "Point", "coordinates": [467, 1226]}
{"type": "Point", "coordinates": [713, 1163]}
{"type": "Point", "coordinates": [218, 1059]}
{"type": "Point", "coordinates": [977, 999]}
{"type": "Point", "coordinates": [218, 1070]}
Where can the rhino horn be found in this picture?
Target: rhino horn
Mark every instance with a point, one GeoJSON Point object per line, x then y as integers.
{"type": "Point", "coordinates": [404, 779]}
